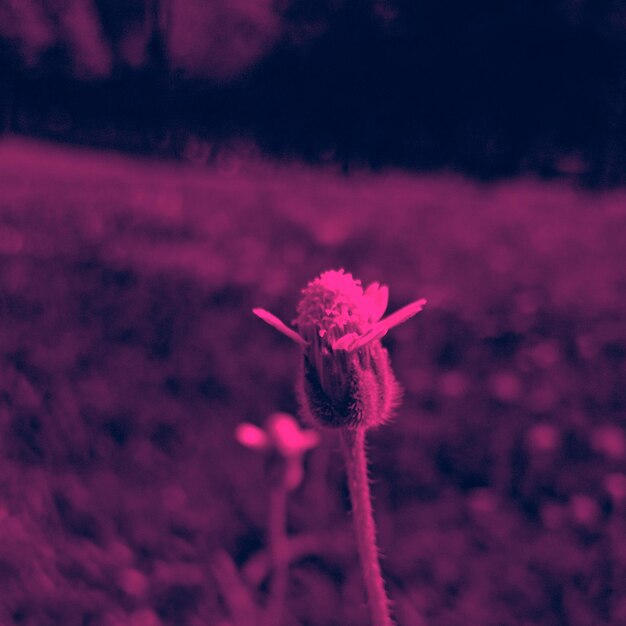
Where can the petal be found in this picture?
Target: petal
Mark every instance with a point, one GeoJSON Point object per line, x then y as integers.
{"type": "Point", "coordinates": [379, 299]}
{"type": "Point", "coordinates": [403, 314]}
{"type": "Point", "coordinates": [287, 436]}
{"type": "Point", "coordinates": [279, 325]}
{"type": "Point", "coordinates": [344, 343]}
{"type": "Point", "coordinates": [379, 330]}
{"type": "Point", "coordinates": [252, 436]}
{"type": "Point", "coordinates": [375, 332]}
{"type": "Point", "coordinates": [309, 440]}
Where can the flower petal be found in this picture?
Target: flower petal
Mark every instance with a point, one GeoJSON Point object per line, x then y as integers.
{"type": "Point", "coordinates": [344, 343]}
{"type": "Point", "coordinates": [379, 298]}
{"type": "Point", "coordinates": [251, 436]}
{"type": "Point", "coordinates": [287, 436]}
{"type": "Point", "coordinates": [379, 330]}
{"type": "Point", "coordinates": [402, 315]}
{"type": "Point", "coordinates": [375, 332]}
{"type": "Point", "coordinates": [310, 439]}
{"type": "Point", "coordinates": [279, 325]}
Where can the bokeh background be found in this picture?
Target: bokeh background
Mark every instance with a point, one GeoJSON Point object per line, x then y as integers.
{"type": "Point", "coordinates": [167, 166]}
{"type": "Point", "coordinates": [489, 88]}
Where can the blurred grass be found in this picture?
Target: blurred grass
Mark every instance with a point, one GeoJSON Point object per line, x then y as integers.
{"type": "Point", "coordinates": [128, 354]}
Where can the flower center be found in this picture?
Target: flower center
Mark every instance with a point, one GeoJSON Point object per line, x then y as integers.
{"type": "Point", "coordinates": [331, 306]}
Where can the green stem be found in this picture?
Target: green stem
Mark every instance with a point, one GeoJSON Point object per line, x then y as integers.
{"type": "Point", "coordinates": [353, 445]}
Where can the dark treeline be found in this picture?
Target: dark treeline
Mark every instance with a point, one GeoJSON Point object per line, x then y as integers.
{"type": "Point", "coordinates": [490, 88]}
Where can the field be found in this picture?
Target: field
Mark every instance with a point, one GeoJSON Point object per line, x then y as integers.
{"type": "Point", "coordinates": [129, 355]}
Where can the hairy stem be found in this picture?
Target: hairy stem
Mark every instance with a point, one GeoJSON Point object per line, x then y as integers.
{"type": "Point", "coordinates": [353, 445]}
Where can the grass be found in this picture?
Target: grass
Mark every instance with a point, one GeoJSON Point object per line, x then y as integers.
{"type": "Point", "coordinates": [128, 355]}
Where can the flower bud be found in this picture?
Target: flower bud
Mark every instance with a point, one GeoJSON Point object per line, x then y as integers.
{"type": "Point", "coordinates": [339, 387]}
{"type": "Point", "coordinates": [346, 377]}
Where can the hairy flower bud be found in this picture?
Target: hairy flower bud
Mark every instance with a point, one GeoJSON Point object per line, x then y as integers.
{"type": "Point", "coordinates": [338, 387]}
{"type": "Point", "coordinates": [346, 377]}
{"type": "Point", "coordinates": [348, 389]}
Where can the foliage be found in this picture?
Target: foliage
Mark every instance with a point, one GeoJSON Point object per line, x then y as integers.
{"type": "Point", "coordinates": [130, 355]}
{"type": "Point", "coordinates": [487, 88]}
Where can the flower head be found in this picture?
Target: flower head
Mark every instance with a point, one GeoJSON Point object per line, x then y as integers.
{"type": "Point", "coordinates": [281, 434]}
{"type": "Point", "coordinates": [346, 377]}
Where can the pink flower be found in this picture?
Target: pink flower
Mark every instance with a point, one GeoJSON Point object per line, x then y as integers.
{"type": "Point", "coordinates": [346, 376]}
{"type": "Point", "coordinates": [283, 434]}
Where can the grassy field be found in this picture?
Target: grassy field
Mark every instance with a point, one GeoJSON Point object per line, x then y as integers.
{"type": "Point", "coordinates": [129, 354]}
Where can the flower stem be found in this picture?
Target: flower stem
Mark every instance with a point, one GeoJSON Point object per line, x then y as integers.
{"type": "Point", "coordinates": [279, 554]}
{"type": "Point", "coordinates": [353, 445]}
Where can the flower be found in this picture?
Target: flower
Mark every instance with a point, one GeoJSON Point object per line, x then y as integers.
{"type": "Point", "coordinates": [283, 434]}
{"type": "Point", "coordinates": [346, 378]}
